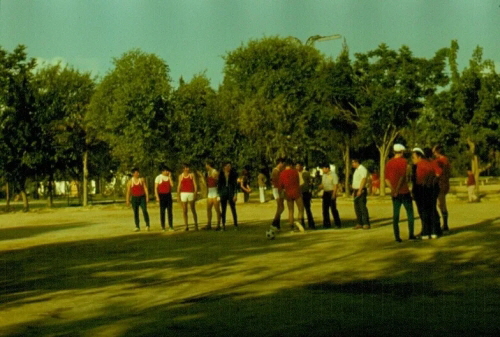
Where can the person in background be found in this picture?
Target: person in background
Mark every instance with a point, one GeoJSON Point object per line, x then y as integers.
{"type": "Point", "coordinates": [329, 185]}
{"type": "Point", "coordinates": [137, 195]}
{"type": "Point", "coordinates": [471, 185]}
{"type": "Point", "coordinates": [280, 206]}
{"type": "Point", "coordinates": [164, 184]}
{"type": "Point", "coordinates": [306, 188]}
{"type": "Point", "coordinates": [186, 195]}
{"type": "Point", "coordinates": [289, 183]}
{"type": "Point", "coordinates": [244, 181]}
{"type": "Point", "coordinates": [359, 191]}
{"type": "Point", "coordinates": [444, 183]}
{"type": "Point", "coordinates": [227, 187]}
{"type": "Point", "coordinates": [213, 195]}
{"type": "Point", "coordinates": [262, 181]}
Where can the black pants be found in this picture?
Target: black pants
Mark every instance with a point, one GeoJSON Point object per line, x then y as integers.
{"type": "Point", "coordinates": [426, 198]}
{"type": "Point", "coordinates": [224, 199]}
{"type": "Point", "coordinates": [306, 198]}
{"type": "Point", "coordinates": [136, 203]}
{"type": "Point", "coordinates": [166, 204]}
{"type": "Point", "coordinates": [330, 204]}
{"type": "Point", "coordinates": [360, 208]}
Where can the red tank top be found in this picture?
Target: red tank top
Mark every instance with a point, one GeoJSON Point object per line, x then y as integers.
{"type": "Point", "coordinates": [211, 181]}
{"type": "Point", "coordinates": [187, 184]}
{"type": "Point", "coordinates": [164, 187]}
{"type": "Point", "coordinates": [137, 190]}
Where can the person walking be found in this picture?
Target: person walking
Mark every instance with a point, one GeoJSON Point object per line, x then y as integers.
{"type": "Point", "coordinates": [227, 187]}
{"type": "Point", "coordinates": [289, 184]}
{"type": "Point", "coordinates": [306, 190]}
{"type": "Point", "coordinates": [186, 195]}
{"type": "Point", "coordinates": [280, 206]}
{"type": "Point", "coordinates": [444, 183]}
{"type": "Point", "coordinates": [329, 185]}
{"type": "Point", "coordinates": [262, 181]}
{"type": "Point", "coordinates": [164, 184]}
{"type": "Point", "coordinates": [359, 191]}
{"type": "Point", "coordinates": [396, 178]}
{"type": "Point", "coordinates": [213, 195]}
{"type": "Point", "coordinates": [137, 195]}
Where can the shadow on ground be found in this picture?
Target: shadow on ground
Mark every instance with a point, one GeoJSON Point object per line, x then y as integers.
{"type": "Point", "coordinates": [452, 291]}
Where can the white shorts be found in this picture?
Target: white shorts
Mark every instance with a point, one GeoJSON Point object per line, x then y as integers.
{"type": "Point", "coordinates": [212, 192]}
{"type": "Point", "coordinates": [187, 196]}
{"type": "Point", "coordinates": [276, 194]}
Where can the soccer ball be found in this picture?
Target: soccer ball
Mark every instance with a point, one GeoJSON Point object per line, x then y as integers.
{"type": "Point", "coordinates": [270, 234]}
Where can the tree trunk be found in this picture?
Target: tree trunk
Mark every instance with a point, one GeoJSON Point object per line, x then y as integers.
{"type": "Point", "coordinates": [26, 206]}
{"type": "Point", "coordinates": [384, 152]}
{"type": "Point", "coordinates": [85, 178]}
{"type": "Point", "coordinates": [7, 197]}
{"type": "Point", "coordinates": [347, 168]}
{"type": "Point", "coordinates": [474, 162]}
{"type": "Point", "coordinates": [50, 190]}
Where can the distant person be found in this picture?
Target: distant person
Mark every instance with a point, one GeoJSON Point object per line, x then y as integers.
{"type": "Point", "coordinates": [359, 191]}
{"type": "Point", "coordinates": [375, 183]}
{"type": "Point", "coordinates": [306, 189]}
{"type": "Point", "coordinates": [227, 187]}
{"type": "Point", "coordinates": [471, 185]}
{"type": "Point", "coordinates": [444, 183]}
{"type": "Point", "coordinates": [262, 182]}
{"type": "Point", "coordinates": [329, 185]}
{"type": "Point", "coordinates": [213, 195]}
{"type": "Point", "coordinates": [289, 185]}
{"type": "Point", "coordinates": [244, 181]}
{"type": "Point", "coordinates": [396, 173]}
{"type": "Point", "coordinates": [137, 195]}
{"type": "Point", "coordinates": [164, 183]}
{"type": "Point", "coordinates": [280, 206]}
{"type": "Point", "coordinates": [186, 195]}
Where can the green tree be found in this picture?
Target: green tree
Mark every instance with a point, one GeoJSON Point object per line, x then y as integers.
{"type": "Point", "coordinates": [393, 86]}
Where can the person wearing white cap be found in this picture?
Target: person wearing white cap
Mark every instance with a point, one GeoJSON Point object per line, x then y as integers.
{"type": "Point", "coordinates": [396, 172]}
{"type": "Point", "coordinates": [423, 191]}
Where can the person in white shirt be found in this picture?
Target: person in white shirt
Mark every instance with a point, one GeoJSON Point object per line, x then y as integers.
{"type": "Point", "coordinates": [329, 185]}
{"type": "Point", "coordinates": [359, 190]}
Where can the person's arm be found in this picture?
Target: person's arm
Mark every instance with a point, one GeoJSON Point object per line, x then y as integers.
{"type": "Point", "coordinates": [127, 194]}
{"type": "Point", "coordinates": [195, 187]}
{"type": "Point", "coordinates": [156, 192]}
{"type": "Point", "coordinates": [145, 190]}
{"type": "Point", "coordinates": [179, 190]}
{"type": "Point", "coordinates": [172, 182]}
{"type": "Point", "coordinates": [235, 186]}
{"type": "Point", "coordinates": [335, 181]}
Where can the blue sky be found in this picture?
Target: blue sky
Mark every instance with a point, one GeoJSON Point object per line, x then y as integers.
{"type": "Point", "coordinates": [193, 35]}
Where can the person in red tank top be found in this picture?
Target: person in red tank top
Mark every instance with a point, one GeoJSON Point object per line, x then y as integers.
{"type": "Point", "coordinates": [186, 194]}
{"type": "Point", "coordinates": [212, 196]}
{"type": "Point", "coordinates": [163, 191]}
{"type": "Point", "coordinates": [289, 182]}
{"type": "Point", "coordinates": [280, 207]}
{"type": "Point", "coordinates": [444, 182]}
{"type": "Point", "coordinates": [137, 195]}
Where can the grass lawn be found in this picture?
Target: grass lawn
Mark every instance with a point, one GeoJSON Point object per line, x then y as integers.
{"type": "Point", "coordinates": [83, 272]}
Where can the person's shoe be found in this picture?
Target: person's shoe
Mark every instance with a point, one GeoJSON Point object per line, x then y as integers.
{"type": "Point", "coordinates": [327, 226]}
{"type": "Point", "coordinates": [186, 229]}
{"type": "Point", "coordinates": [434, 236]}
{"type": "Point", "coordinates": [207, 228]}
{"type": "Point", "coordinates": [425, 237]}
{"type": "Point", "coordinates": [399, 240]}
{"type": "Point", "coordinates": [147, 228]}
{"type": "Point", "coordinates": [413, 238]}
{"type": "Point", "coordinates": [299, 226]}
{"type": "Point", "coordinates": [171, 229]}
{"type": "Point", "coordinates": [137, 229]}
{"type": "Point", "coordinates": [358, 227]}
{"type": "Point", "coordinates": [338, 227]}
{"type": "Point", "coordinates": [163, 230]}
{"type": "Point", "coordinates": [236, 228]}
{"type": "Point", "coordinates": [366, 227]}
{"type": "Point", "coordinates": [217, 229]}
{"type": "Point", "coordinates": [274, 228]}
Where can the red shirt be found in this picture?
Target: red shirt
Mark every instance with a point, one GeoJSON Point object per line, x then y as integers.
{"type": "Point", "coordinates": [289, 181]}
{"type": "Point", "coordinates": [471, 180]}
{"type": "Point", "coordinates": [275, 177]}
{"type": "Point", "coordinates": [137, 190]}
{"type": "Point", "coordinates": [395, 170]}
{"type": "Point", "coordinates": [445, 170]}
{"type": "Point", "coordinates": [164, 187]}
{"type": "Point", "coordinates": [187, 184]}
{"type": "Point", "coordinates": [211, 181]}
{"type": "Point", "coordinates": [425, 172]}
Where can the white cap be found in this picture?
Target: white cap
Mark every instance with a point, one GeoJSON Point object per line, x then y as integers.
{"type": "Point", "coordinates": [419, 150]}
{"type": "Point", "coordinates": [398, 148]}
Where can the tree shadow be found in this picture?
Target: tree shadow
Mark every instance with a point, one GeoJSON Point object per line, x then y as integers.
{"type": "Point", "coordinates": [13, 233]}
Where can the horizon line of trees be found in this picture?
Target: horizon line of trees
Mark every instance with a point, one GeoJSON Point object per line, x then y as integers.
{"type": "Point", "coordinates": [278, 98]}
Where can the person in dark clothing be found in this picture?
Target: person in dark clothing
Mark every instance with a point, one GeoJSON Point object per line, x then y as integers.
{"type": "Point", "coordinates": [227, 187]}
{"type": "Point", "coordinates": [306, 187]}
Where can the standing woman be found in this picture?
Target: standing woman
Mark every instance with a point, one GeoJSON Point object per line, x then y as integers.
{"type": "Point", "coordinates": [186, 194]}
{"type": "Point", "coordinates": [137, 194]}
{"type": "Point", "coordinates": [164, 184]}
{"type": "Point", "coordinates": [213, 195]}
{"type": "Point", "coordinates": [228, 188]}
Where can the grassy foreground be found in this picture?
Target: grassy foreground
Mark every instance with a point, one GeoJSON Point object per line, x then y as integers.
{"type": "Point", "coordinates": [82, 272]}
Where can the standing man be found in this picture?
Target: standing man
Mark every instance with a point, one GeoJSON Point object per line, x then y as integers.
{"type": "Point", "coordinates": [329, 185]}
{"type": "Point", "coordinates": [262, 180]}
{"type": "Point", "coordinates": [396, 178]}
{"type": "Point", "coordinates": [471, 185]}
{"type": "Point", "coordinates": [289, 183]}
{"type": "Point", "coordinates": [163, 192]}
{"type": "Point", "coordinates": [280, 207]}
{"type": "Point", "coordinates": [137, 194]}
{"type": "Point", "coordinates": [359, 191]}
{"type": "Point", "coordinates": [213, 195]}
{"type": "Point", "coordinates": [443, 182]}
{"type": "Point", "coordinates": [228, 188]}
{"type": "Point", "coordinates": [186, 194]}
{"type": "Point", "coordinates": [306, 188]}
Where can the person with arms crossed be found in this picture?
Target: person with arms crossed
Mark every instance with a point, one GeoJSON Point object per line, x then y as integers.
{"type": "Point", "coordinates": [137, 195]}
{"type": "Point", "coordinates": [163, 192]}
{"type": "Point", "coordinates": [396, 173]}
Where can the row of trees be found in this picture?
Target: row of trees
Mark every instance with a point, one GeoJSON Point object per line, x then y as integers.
{"type": "Point", "coordinates": [278, 98]}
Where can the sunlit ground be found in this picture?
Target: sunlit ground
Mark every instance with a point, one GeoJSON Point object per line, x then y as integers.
{"type": "Point", "coordinates": [83, 272]}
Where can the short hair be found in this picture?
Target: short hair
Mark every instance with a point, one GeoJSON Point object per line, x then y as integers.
{"type": "Point", "coordinates": [356, 159]}
{"type": "Point", "coordinates": [300, 162]}
{"type": "Point", "coordinates": [280, 160]}
{"type": "Point", "coordinates": [288, 162]}
{"type": "Point", "coordinates": [134, 169]}
{"type": "Point", "coordinates": [428, 152]}
{"type": "Point", "coordinates": [209, 162]}
{"type": "Point", "coordinates": [185, 165]}
{"type": "Point", "coordinates": [439, 149]}
{"type": "Point", "coordinates": [325, 164]}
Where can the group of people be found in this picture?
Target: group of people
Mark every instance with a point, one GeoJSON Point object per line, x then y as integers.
{"type": "Point", "coordinates": [429, 174]}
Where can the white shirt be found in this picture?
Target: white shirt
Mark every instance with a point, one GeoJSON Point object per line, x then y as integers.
{"type": "Point", "coordinates": [329, 180]}
{"type": "Point", "coordinates": [359, 174]}
{"type": "Point", "coordinates": [161, 178]}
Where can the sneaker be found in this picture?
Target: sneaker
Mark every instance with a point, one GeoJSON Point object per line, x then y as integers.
{"type": "Point", "coordinates": [413, 238]}
{"type": "Point", "coordinates": [207, 228]}
{"type": "Point", "coordinates": [163, 230]}
{"type": "Point", "coordinates": [147, 228]}
{"type": "Point", "coordinates": [425, 237]}
{"type": "Point", "coordinates": [274, 229]}
{"type": "Point", "coordinates": [399, 240]}
{"type": "Point", "coordinates": [137, 229]}
{"type": "Point", "coordinates": [186, 229]}
{"type": "Point", "coordinates": [171, 229]}
{"type": "Point", "coordinates": [434, 236]}
{"type": "Point", "coordinates": [366, 227]}
{"type": "Point", "coordinates": [358, 227]}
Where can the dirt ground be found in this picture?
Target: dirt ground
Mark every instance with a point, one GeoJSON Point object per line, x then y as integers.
{"type": "Point", "coordinates": [83, 272]}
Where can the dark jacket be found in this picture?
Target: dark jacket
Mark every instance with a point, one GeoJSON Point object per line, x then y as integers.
{"type": "Point", "coordinates": [228, 189]}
